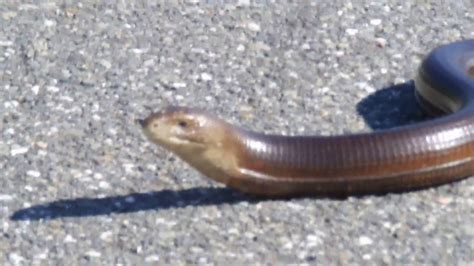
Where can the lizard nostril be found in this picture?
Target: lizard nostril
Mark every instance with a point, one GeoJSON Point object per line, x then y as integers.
{"type": "Point", "coordinates": [142, 122]}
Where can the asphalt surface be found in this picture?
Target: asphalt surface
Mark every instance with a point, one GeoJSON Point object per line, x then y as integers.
{"type": "Point", "coordinates": [80, 185]}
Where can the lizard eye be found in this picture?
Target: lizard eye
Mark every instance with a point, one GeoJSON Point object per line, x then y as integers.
{"type": "Point", "coordinates": [182, 124]}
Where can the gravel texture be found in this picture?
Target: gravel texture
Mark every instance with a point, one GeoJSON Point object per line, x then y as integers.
{"type": "Point", "coordinates": [80, 185]}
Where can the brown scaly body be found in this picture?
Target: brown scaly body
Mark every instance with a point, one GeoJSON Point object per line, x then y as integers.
{"type": "Point", "coordinates": [411, 157]}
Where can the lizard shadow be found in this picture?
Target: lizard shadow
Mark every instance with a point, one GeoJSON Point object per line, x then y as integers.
{"type": "Point", "coordinates": [389, 107]}
{"type": "Point", "coordinates": [392, 107]}
{"type": "Point", "coordinates": [134, 202]}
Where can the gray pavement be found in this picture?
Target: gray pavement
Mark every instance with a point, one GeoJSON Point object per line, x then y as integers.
{"type": "Point", "coordinates": [80, 185]}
